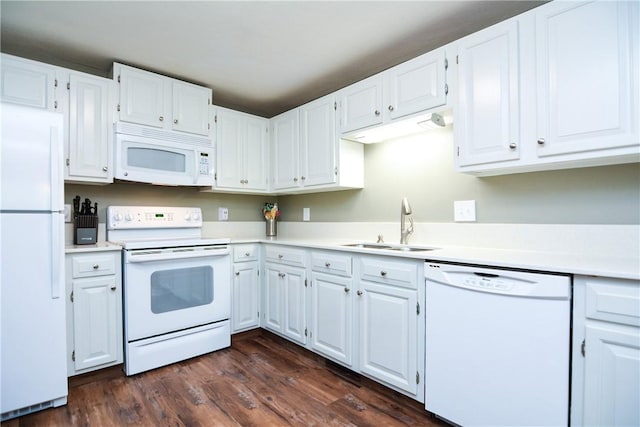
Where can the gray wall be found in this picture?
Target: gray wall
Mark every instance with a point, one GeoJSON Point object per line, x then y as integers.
{"type": "Point", "coordinates": [422, 170]}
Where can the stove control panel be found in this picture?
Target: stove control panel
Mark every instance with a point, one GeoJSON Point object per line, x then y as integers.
{"type": "Point", "coordinates": [124, 217]}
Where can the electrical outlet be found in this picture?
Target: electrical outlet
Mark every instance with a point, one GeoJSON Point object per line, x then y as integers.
{"type": "Point", "coordinates": [67, 213]}
{"type": "Point", "coordinates": [464, 210]}
{"type": "Point", "coordinates": [306, 214]}
{"type": "Point", "coordinates": [223, 214]}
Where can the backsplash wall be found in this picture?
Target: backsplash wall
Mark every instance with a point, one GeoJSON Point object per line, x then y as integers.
{"type": "Point", "coordinates": [420, 168]}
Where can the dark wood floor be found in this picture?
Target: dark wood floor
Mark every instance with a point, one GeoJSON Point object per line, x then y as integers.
{"type": "Point", "coordinates": [262, 380]}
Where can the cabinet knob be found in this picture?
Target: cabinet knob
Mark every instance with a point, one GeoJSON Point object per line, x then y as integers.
{"type": "Point", "coordinates": [113, 288]}
{"type": "Point", "coordinates": [541, 141]}
{"type": "Point", "coordinates": [327, 264]}
{"type": "Point", "coordinates": [237, 273]}
{"type": "Point", "coordinates": [96, 266]}
{"type": "Point", "coordinates": [346, 290]}
{"type": "Point", "coordinates": [303, 178]}
{"type": "Point", "coordinates": [161, 118]}
{"type": "Point", "coordinates": [104, 168]}
{"type": "Point", "coordinates": [377, 112]}
{"type": "Point", "coordinates": [247, 254]}
{"type": "Point", "coordinates": [390, 108]}
{"type": "Point", "coordinates": [295, 179]}
{"type": "Point", "coordinates": [175, 121]}
{"type": "Point", "coordinates": [359, 293]}
{"type": "Point", "coordinates": [280, 256]}
{"type": "Point", "coordinates": [281, 274]}
{"type": "Point", "coordinates": [512, 146]}
{"type": "Point", "coordinates": [383, 273]}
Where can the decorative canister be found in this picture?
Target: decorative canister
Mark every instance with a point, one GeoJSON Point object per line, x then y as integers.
{"type": "Point", "coordinates": [272, 227]}
{"type": "Point", "coordinates": [271, 214]}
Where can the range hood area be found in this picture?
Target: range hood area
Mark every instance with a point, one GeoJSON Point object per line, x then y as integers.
{"type": "Point", "coordinates": [418, 124]}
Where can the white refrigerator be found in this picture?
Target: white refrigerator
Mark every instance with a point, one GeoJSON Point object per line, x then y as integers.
{"type": "Point", "coordinates": [33, 341]}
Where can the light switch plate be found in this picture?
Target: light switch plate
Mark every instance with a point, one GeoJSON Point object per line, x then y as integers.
{"type": "Point", "coordinates": [306, 214]}
{"type": "Point", "coordinates": [464, 210]}
{"type": "Point", "coordinates": [67, 213]}
{"type": "Point", "coordinates": [223, 214]}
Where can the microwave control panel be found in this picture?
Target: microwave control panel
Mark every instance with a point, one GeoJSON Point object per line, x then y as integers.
{"type": "Point", "coordinates": [204, 164]}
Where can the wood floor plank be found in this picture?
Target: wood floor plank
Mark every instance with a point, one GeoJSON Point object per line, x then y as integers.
{"type": "Point", "coordinates": [262, 380]}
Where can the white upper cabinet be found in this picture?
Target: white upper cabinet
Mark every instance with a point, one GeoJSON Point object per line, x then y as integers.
{"type": "Point", "coordinates": [361, 104]}
{"type": "Point", "coordinates": [285, 134]}
{"type": "Point", "coordinates": [488, 122]}
{"type": "Point", "coordinates": [587, 68]}
{"type": "Point", "coordinates": [89, 132]}
{"type": "Point", "coordinates": [406, 89]}
{"type": "Point", "coordinates": [241, 148]}
{"type": "Point", "coordinates": [318, 142]}
{"type": "Point", "coordinates": [556, 87]}
{"type": "Point", "coordinates": [154, 100]}
{"type": "Point", "coordinates": [28, 83]}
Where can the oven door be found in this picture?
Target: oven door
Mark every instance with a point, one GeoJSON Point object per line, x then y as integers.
{"type": "Point", "coordinates": [167, 290]}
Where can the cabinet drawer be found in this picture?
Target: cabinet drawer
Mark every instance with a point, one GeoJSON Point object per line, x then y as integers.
{"type": "Point", "coordinates": [283, 255]}
{"type": "Point", "coordinates": [243, 253]}
{"type": "Point", "coordinates": [94, 265]}
{"type": "Point", "coordinates": [613, 300]}
{"type": "Point", "coordinates": [331, 263]}
{"type": "Point", "coordinates": [383, 270]}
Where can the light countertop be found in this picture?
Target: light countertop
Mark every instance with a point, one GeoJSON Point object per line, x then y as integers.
{"type": "Point", "coordinates": [98, 247]}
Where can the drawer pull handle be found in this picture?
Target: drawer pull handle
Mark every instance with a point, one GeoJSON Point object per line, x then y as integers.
{"type": "Point", "coordinates": [359, 293]}
{"type": "Point", "coordinates": [346, 290]}
{"type": "Point", "coordinates": [96, 266]}
{"type": "Point", "coordinates": [383, 273]}
{"type": "Point", "coordinates": [113, 288]}
{"type": "Point", "coordinates": [327, 264]}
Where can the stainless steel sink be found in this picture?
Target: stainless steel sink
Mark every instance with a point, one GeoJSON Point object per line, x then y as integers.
{"type": "Point", "coordinates": [401, 248]}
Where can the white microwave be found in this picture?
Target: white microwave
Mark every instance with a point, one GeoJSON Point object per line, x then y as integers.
{"type": "Point", "coordinates": [162, 157]}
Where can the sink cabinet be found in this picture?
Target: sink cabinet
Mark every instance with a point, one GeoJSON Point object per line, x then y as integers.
{"type": "Point", "coordinates": [94, 310]}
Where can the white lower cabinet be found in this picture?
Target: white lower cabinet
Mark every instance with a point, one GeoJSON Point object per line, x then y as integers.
{"type": "Point", "coordinates": [606, 352]}
{"type": "Point", "coordinates": [246, 288]}
{"type": "Point", "coordinates": [391, 323]}
{"type": "Point", "coordinates": [332, 297]}
{"type": "Point", "coordinates": [284, 299]}
{"type": "Point", "coordinates": [94, 310]}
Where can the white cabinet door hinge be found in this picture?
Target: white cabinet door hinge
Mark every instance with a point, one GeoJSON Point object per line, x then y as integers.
{"type": "Point", "coordinates": [71, 296]}
{"type": "Point", "coordinates": [446, 89]}
{"type": "Point", "coordinates": [417, 308]}
{"type": "Point", "coordinates": [446, 64]}
{"type": "Point", "coordinates": [582, 348]}
{"type": "Point", "coordinates": [68, 85]}
{"type": "Point", "coordinates": [118, 108]}
{"type": "Point", "coordinates": [305, 332]}
{"type": "Point", "coordinates": [73, 355]}
{"type": "Point", "coordinates": [417, 377]}
{"type": "Point", "coordinates": [118, 78]}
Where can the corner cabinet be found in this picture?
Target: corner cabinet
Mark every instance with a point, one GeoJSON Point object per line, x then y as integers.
{"type": "Point", "coordinates": [245, 313]}
{"type": "Point", "coordinates": [88, 137]}
{"type": "Point", "coordinates": [307, 153]}
{"type": "Point", "coordinates": [151, 99]}
{"type": "Point", "coordinates": [543, 90]}
{"type": "Point", "coordinates": [241, 151]}
{"type": "Point", "coordinates": [94, 310]}
{"type": "Point", "coordinates": [605, 386]}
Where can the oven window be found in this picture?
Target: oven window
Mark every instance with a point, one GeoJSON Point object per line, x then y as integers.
{"type": "Point", "coordinates": [182, 288]}
{"type": "Point", "coordinates": [151, 158]}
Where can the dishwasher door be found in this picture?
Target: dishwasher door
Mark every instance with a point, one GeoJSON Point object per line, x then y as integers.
{"type": "Point", "coordinates": [497, 346]}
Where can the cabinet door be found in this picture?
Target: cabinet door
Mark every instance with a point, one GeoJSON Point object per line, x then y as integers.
{"type": "Point", "coordinates": [142, 97]}
{"type": "Point", "coordinates": [612, 375]}
{"type": "Point", "coordinates": [332, 316]}
{"type": "Point", "coordinates": [361, 104]}
{"type": "Point", "coordinates": [245, 296]}
{"type": "Point", "coordinates": [229, 149]}
{"type": "Point", "coordinates": [28, 83]}
{"type": "Point", "coordinates": [273, 298]}
{"type": "Point", "coordinates": [255, 154]}
{"type": "Point", "coordinates": [286, 142]}
{"type": "Point", "coordinates": [587, 70]}
{"type": "Point", "coordinates": [94, 320]}
{"type": "Point", "coordinates": [318, 145]}
{"type": "Point", "coordinates": [416, 85]}
{"type": "Point", "coordinates": [487, 122]}
{"type": "Point", "coordinates": [190, 112]}
{"type": "Point", "coordinates": [294, 321]}
{"type": "Point", "coordinates": [88, 155]}
{"type": "Point", "coordinates": [388, 334]}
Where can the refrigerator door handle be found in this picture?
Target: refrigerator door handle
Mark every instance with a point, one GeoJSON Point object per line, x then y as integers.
{"type": "Point", "coordinates": [57, 250]}
{"type": "Point", "coordinates": [57, 183]}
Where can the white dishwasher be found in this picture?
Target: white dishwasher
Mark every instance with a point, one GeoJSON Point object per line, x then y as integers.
{"type": "Point", "coordinates": [497, 346]}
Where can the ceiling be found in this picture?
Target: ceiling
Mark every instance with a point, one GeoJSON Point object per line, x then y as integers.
{"type": "Point", "coordinates": [261, 57]}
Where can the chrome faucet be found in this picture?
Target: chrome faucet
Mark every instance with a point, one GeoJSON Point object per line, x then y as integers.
{"type": "Point", "coordinates": [405, 211]}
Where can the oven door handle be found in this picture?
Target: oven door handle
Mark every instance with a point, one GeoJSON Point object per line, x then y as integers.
{"type": "Point", "coordinates": [150, 256]}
